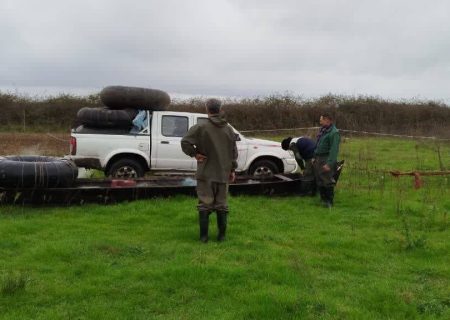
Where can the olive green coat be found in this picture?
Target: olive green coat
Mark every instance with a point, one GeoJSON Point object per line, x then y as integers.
{"type": "Point", "coordinates": [217, 141]}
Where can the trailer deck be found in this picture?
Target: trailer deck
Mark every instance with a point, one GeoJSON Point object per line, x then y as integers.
{"type": "Point", "coordinates": [110, 191]}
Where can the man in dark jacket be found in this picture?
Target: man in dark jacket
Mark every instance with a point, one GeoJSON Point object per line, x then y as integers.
{"type": "Point", "coordinates": [213, 144]}
{"type": "Point", "coordinates": [325, 158]}
{"type": "Point", "coordinates": [303, 149]}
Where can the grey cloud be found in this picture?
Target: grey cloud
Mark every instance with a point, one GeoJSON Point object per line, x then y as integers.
{"type": "Point", "coordinates": [392, 48]}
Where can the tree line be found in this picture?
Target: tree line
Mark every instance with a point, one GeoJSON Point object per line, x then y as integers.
{"type": "Point", "coordinates": [361, 113]}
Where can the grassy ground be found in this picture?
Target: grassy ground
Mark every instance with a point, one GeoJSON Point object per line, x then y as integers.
{"type": "Point", "coordinates": [382, 252]}
{"type": "Point", "coordinates": [54, 144]}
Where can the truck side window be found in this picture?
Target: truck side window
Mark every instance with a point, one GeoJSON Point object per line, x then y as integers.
{"type": "Point", "coordinates": [201, 120]}
{"type": "Point", "coordinates": [174, 126]}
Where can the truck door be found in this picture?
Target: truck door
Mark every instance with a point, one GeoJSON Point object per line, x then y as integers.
{"type": "Point", "coordinates": [241, 145]}
{"type": "Point", "coordinates": [167, 142]}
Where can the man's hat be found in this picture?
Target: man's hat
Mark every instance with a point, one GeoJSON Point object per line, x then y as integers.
{"type": "Point", "coordinates": [285, 143]}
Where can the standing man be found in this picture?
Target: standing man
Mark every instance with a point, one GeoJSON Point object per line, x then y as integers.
{"type": "Point", "coordinates": [303, 149]}
{"type": "Point", "coordinates": [325, 158]}
{"type": "Point", "coordinates": [213, 144]}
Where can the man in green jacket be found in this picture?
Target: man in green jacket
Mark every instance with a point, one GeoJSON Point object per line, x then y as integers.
{"type": "Point", "coordinates": [325, 158]}
{"type": "Point", "coordinates": [213, 144]}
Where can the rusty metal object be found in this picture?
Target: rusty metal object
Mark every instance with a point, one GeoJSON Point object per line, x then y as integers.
{"type": "Point", "coordinates": [418, 182]}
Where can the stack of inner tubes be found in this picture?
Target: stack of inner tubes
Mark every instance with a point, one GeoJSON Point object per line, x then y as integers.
{"type": "Point", "coordinates": [36, 172]}
{"type": "Point", "coordinates": [121, 107]}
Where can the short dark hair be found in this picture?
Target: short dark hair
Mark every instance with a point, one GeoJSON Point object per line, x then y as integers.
{"type": "Point", "coordinates": [327, 115]}
{"type": "Point", "coordinates": [285, 143]}
{"type": "Point", "coordinates": [213, 105]}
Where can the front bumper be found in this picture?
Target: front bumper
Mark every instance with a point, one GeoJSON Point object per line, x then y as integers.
{"type": "Point", "coordinates": [290, 165]}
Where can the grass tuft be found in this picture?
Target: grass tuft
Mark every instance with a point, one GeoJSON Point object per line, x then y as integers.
{"type": "Point", "coordinates": [13, 283]}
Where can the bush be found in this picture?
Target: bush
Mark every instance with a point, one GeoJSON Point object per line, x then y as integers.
{"type": "Point", "coordinates": [360, 113]}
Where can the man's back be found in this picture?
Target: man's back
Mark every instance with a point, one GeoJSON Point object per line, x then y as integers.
{"type": "Point", "coordinates": [216, 140]}
{"type": "Point", "coordinates": [305, 147]}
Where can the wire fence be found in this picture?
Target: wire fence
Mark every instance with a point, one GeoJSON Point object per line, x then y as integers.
{"type": "Point", "coordinates": [346, 131]}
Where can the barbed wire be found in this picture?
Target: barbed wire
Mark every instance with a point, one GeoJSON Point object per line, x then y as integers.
{"type": "Point", "coordinates": [274, 130]}
{"type": "Point", "coordinates": [56, 138]}
{"type": "Point", "coordinates": [351, 131]}
{"type": "Point", "coordinates": [394, 135]}
{"type": "Point", "coordinates": [316, 128]}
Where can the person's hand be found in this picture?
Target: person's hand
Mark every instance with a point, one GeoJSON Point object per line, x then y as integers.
{"type": "Point", "coordinates": [326, 168]}
{"type": "Point", "coordinates": [232, 177]}
{"type": "Point", "coordinates": [200, 157]}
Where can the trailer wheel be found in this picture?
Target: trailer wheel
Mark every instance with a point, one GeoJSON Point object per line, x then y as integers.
{"type": "Point", "coordinates": [263, 168]}
{"type": "Point", "coordinates": [126, 168]}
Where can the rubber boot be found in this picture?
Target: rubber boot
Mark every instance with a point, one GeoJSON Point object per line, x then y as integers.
{"type": "Point", "coordinates": [313, 190]}
{"type": "Point", "coordinates": [329, 197]}
{"type": "Point", "coordinates": [221, 225]}
{"type": "Point", "coordinates": [204, 223]}
{"type": "Point", "coordinates": [323, 196]}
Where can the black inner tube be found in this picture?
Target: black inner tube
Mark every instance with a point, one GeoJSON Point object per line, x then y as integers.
{"type": "Point", "coordinates": [121, 97]}
{"type": "Point", "coordinates": [36, 172]}
{"type": "Point", "coordinates": [106, 118]}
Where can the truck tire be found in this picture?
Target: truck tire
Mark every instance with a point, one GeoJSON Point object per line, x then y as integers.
{"type": "Point", "coordinates": [36, 172]}
{"type": "Point", "coordinates": [263, 168]}
{"type": "Point", "coordinates": [106, 118]}
{"type": "Point", "coordinates": [86, 129]}
{"type": "Point", "coordinates": [119, 97]}
{"type": "Point", "coordinates": [126, 168]}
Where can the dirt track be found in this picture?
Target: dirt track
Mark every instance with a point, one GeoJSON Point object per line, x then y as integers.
{"type": "Point", "coordinates": [47, 144]}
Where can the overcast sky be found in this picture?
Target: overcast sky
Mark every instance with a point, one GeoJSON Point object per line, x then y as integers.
{"type": "Point", "coordinates": [389, 48]}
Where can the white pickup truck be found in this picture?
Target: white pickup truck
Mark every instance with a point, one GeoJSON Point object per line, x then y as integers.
{"type": "Point", "coordinates": [157, 147]}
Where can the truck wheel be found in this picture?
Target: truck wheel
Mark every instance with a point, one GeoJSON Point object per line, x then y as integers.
{"type": "Point", "coordinates": [263, 168]}
{"type": "Point", "coordinates": [126, 168]}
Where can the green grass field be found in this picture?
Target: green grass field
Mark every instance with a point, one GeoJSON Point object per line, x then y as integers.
{"type": "Point", "coordinates": [383, 252]}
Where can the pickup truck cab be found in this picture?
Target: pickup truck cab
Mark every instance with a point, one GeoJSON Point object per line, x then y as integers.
{"type": "Point", "coordinates": [157, 147]}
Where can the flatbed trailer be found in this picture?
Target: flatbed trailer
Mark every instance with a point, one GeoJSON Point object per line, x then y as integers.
{"type": "Point", "coordinates": [110, 191]}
